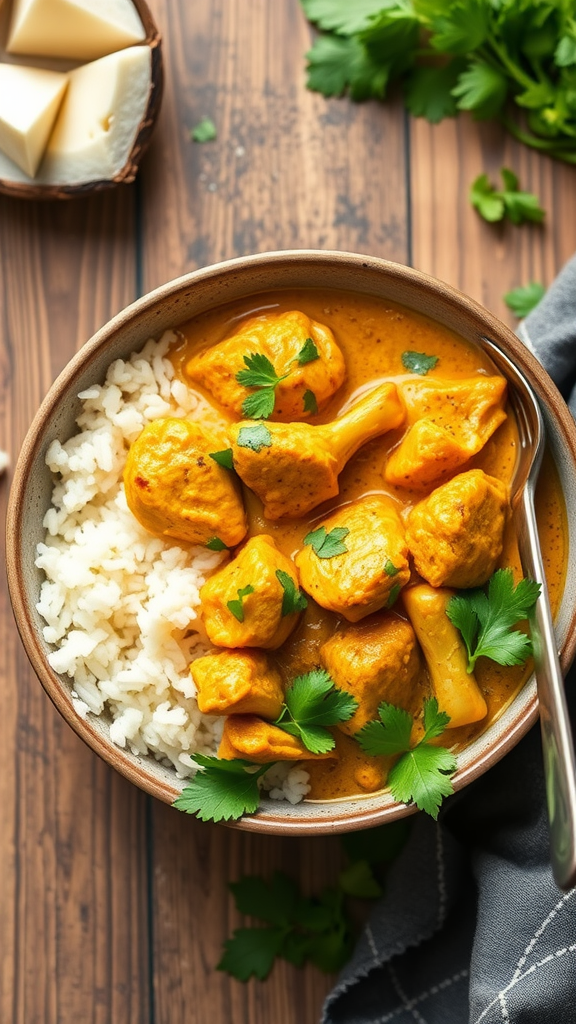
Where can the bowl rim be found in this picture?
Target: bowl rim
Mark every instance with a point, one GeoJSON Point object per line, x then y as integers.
{"type": "Point", "coordinates": [54, 685]}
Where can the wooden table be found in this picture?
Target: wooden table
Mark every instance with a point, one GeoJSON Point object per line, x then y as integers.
{"type": "Point", "coordinates": [113, 908]}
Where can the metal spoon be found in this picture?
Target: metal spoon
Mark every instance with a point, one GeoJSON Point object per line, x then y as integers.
{"type": "Point", "coordinates": [557, 743]}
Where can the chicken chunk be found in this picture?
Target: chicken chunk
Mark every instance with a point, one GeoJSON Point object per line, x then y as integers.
{"type": "Point", "coordinates": [456, 534]}
{"type": "Point", "coordinates": [371, 567]}
{"type": "Point", "coordinates": [448, 423]}
{"type": "Point", "coordinates": [175, 489]}
{"type": "Point", "coordinates": [456, 689]}
{"type": "Point", "coordinates": [239, 683]}
{"type": "Point", "coordinates": [252, 739]}
{"type": "Point", "coordinates": [280, 337]}
{"type": "Point", "coordinates": [375, 661]}
{"type": "Point", "coordinates": [294, 467]}
{"type": "Point", "coordinates": [244, 604]}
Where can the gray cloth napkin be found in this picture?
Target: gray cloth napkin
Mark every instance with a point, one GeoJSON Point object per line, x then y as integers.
{"type": "Point", "coordinates": [472, 927]}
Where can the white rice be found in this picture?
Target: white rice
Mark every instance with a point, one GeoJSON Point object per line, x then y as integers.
{"type": "Point", "coordinates": [120, 605]}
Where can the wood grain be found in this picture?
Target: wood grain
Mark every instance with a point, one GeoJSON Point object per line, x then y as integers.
{"type": "Point", "coordinates": [73, 872]}
{"type": "Point", "coordinates": [288, 170]}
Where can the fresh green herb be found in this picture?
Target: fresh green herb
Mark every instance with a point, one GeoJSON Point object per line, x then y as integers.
{"type": "Point", "coordinates": [221, 790]}
{"type": "Point", "coordinates": [215, 544]}
{"type": "Point", "coordinates": [308, 353]}
{"type": "Point", "coordinates": [393, 595]}
{"type": "Point", "coordinates": [421, 775]}
{"type": "Point", "coordinates": [418, 362]}
{"type": "Point", "coordinates": [357, 879]}
{"type": "Point", "coordinates": [297, 928]}
{"type": "Point", "coordinates": [223, 458]}
{"type": "Point", "coordinates": [510, 59]}
{"type": "Point", "coordinates": [293, 599]}
{"type": "Point", "coordinates": [311, 704]}
{"type": "Point", "coordinates": [259, 373]}
{"type": "Point", "coordinates": [326, 545]}
{"type": "Point", "coordinates": [205, 131]}
{"type": "Point", "coordinates": [390, 569]}
{"type": "Point", "coordinates": [310, 403]}
{"type": "Point", "coordinates": [493, 205]}
{"type": "Point", "coordinates": [255, 438]}
{"type": "Point", "coordinates": [237, 606]}
{"type": "Point", "coordinates": [486, 620]}
{"type": "Point", "coordinates": [524, 299]}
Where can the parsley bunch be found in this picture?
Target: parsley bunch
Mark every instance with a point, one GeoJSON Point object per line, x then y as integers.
{"type": "Point", "coordinates": [510, 59]}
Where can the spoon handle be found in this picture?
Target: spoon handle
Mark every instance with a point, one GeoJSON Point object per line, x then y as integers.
{"type": "Point", "coordinates": [557, 743]}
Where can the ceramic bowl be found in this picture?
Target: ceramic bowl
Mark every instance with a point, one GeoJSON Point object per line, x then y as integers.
{"type": "Point", "coordinates": [173, 304]}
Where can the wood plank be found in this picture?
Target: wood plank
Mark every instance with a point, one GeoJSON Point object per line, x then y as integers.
{"type": "Point", "coordinates": [288, 169]}
{"type": "Point", "coordinates": [73, 916]}
{"type": "Point", "coordinates": [452, 242]}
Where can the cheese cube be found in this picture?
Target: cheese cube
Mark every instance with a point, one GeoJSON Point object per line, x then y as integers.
{"type": "Point", "coordinates": [76, 29]}
{"type": "Point", "coordinates": [29, 103]}
{"type": "Point", "coordinates": [99, 118]}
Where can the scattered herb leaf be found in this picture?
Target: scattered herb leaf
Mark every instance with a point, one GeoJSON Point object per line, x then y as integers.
{"type": "Point", "coordinates": [493, 205]}
{"type": "Point", "coordinates": [255, 438]}
{"type": "Point", "coordinates": [418, 362]}
{"type": "Point", "coordinates": [310, 403]}
{"type": "Point", "coordinates": [215, 544]}
{"type": "Point", "coordinates": [221, 790]}
{"type": "Point", "coordinates": [486, 620]}
{"type": "Point", "coordinates": [311, 704]}
{"type": "Point", "coordinates": [393, 595]}
{"type": "Point", "coordinates": [205, 131]}
{"type": "Point", "coordinates": [524, 299]}
{"type": "Point", "coordinates": [326, 545]}
{"type": "Point", "coordinates": [358, 880]}
{"type": "Point", "coordinates": [293, 599]}
{"type": "Point", "coordinates": [251, 951]}
{"type": "Point", "coordinates": [308, 353]}
{"type": "Point", "coordinates": [237, 606]}
{"type": "Point", "coordinates": [260, 405]}
{"type": "Point", "coordinates": [421, 773]}
{"type": "Point", "coordinates": [259, 373]}
{"type": "Point", "coordinates": [223, 458]}
{"type": "Point", "coordinates": [390, 569]}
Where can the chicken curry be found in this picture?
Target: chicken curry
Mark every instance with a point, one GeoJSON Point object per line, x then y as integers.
{"type": "Point", "coordinates": [354, 467]}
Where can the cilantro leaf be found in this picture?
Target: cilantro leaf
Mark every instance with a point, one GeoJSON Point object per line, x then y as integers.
{"type": "Point", "coordinates": [205, 131]}
{"type": "Point", "coordinates": [237, 606]}
{"type": "Point", "coordinates": [486, 621]}
{"type": "Point", "coordinates": [390, 569]}
{"type": "Point", "coordinates": [342, 16]}
{"type": "Point", "coordinates": [260, 405]}
{"type": "Point", "coordinates": [493, 205]}
{"type": "Point", "coordinates": [293, 599]}
{"type": "Point", "coordinates": [251, 951]}
{"type": "Point", "coordinates": [481, 88]}
{"type": "Point", "coordinates": [223, 458]}
{"type": "Point", "coordinates": [524, 299]}
{"type": "Point", "coordinates": [458, 27]}
{"type": "Point", "coordinates": [393, 595]}
{"type": "Point", "coordinates": [358, 880]}
{"type": "Point", "coordinates": [308, 353]}
{"type": "Point", "coordinates": [310, 403]}
{"type": "Point", "coordinates": [428, 91]}
{"type": "Point", "coordinates": [435, 721]}
{"type": "Point", "coordinates": [273, 902]}
{"type": "Point", "coordinates": [215, 544]}
{"type": "Point", "coordinates": [391, 735]}
{"type": "Point", "coordinates": [418, 362]}
{"type": "Point", "coordinates": [484, 198]}
{"type": "Point", "coordinates": [222, 790]}
{"type": "Point", "coordinates": [255, 438]}
{"type": "Point", "coordinates": [326, 545]}
{"type": "Point", "coordinates": [259, 372]}
{"type": "Point", "coordinates": [421, 776]}
{"type": "Point", "coordinates": [311, 704]}
{"type": "Point", "coordinates": [336, 64]}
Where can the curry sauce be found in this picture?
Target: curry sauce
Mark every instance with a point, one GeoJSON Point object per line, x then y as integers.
{"type": "Point", "coordinates": [373, 335]}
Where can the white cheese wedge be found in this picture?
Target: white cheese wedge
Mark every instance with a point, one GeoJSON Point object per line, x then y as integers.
{"type": "Point", "coordinates": [99, 118]}
{"type": "Point", "coordinates": [77, 29]}
{"type": "Point", "coordinates": [29, 104]}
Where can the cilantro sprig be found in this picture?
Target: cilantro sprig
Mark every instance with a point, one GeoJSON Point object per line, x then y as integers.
{"type": "Point", "coordinates": [421, 775]}
{"type": "Point", "coordinates": [485, 620]}
{"type": "Point", "coordinates": [221, 790]}
{"type": "Point", "coordinates": [510, 203]}
{"type": "Point", "coordinates": [293, 600]}
{"type": "Point", "coordinates": [512, 60]}
{"type": "Point", "coordinates": [325, 544]}
{"type": "Point", "coordinates": [237, 605]}
{"type": "Point", "coordinates": [418, 362]}
{"type": "Point", "coordinates": [261, 374]}
{"type": "Point", "coordinates": [524, 299]}
{"type": "Point", "coordinates": [312, 704]}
